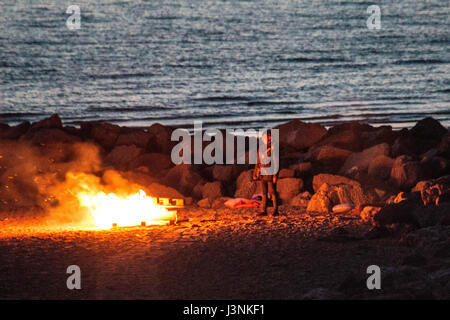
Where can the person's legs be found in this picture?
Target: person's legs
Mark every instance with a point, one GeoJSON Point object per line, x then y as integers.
{"type": "Point", "coordinates": [273, 194]}
{"type": "Point", "coordinates": [263, 208]}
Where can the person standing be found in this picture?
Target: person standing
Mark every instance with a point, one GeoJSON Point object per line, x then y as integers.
{"type": "Point", "coordinates": [266, 159]}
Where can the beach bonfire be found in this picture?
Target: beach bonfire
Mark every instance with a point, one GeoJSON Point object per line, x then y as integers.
{"type": "Point", "coordinates": [112, 210]}
{"type": "Point", "coordinates": [105, 208]}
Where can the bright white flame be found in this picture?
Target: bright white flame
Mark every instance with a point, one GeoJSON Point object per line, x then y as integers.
{"type": "Point", "coordinates": [130, 210]}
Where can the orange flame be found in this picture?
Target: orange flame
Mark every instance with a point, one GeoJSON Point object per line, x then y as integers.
{"type": "Point", "coordinates": [130, 210]}
{"type": "Point", "coordinates": [116, 202]}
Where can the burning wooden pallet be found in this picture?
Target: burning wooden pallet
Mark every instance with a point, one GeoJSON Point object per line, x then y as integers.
{"type": "Point", "coordinates": [170, 204]}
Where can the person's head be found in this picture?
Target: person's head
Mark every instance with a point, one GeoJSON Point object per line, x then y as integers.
{"type": "Point", "coordinates": [267, 137]}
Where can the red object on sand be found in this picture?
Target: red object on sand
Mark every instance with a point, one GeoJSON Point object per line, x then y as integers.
{"type": "Point", "coordinates": [241, 203]}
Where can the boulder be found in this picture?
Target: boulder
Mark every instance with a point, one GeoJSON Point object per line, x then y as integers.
{"type": "Point", "coordinates": [286, 173]}
{"type": "Point", "coordinates": [404, 144]}
{"type": "Point", "coordinates": [245, 186]}
{"type": "Point", "coordinates": [300, 135]}
{"type": "Point", "coordinates": [355, 126]}
{"type": "Point", "coordinates": [155, 162]}
{"type": "Point", "coordinates": [348, 140]}
{"type": "Point", "coordinates": [105, 134]}
{"type": "Point", "coordinates": [3, 128]}
{"type": "Point", "coordinates": [429, 154]}
{"type": "Point", "coordinates": [212, 190]}
{"type": "Point", "coordinates": [301, 200]}
{"type": "Point", "coordinates": [405, 174]}
{"type": "Point", "coordinates": [327, 153]}
{"type": "Point", "coordinates": [330, 159]}
{"type": "Point", "coordinates": [204, 203]}
{"type": "Point", "coordinates": [380, 167]}
{"type": "Point", "coordinates": [368, 213]}
{"type": "Point", "coordinates": [139, 177]}
{"type": "Point", "coordinates": [16, 132]}
{"type": "Point", "coordinates": [139, 138]}
{"type": "Point", "coordinates": [320, 202]}
{"type": "Point", "coordinates": [417, 141]}
{"type": "Point", "coordinates": [197, 190]}
{"type": "Point", "coordinates": [328, 196]}
{"type": "Point", "coordinates": [121, 156]}
{"type": "Point", "coordinates": [302, 169]}
{"type": "Point", "coordinates": [331, 180]}
{"type": "Point", "coordinates": [419, 186]}
{"type": "Point", "coordinates": [428, 128]}
{"type": "Point", "coordinates": [361, 160]}
{"type": "Point", "coordinates": [52, 122]}
{"type": "Point", "coordinates": [48, 136]}
{"type": "Point", "coordinates": [183, 177]}
{"type": "Point", "coordinates": [382, 134]}
{"type": "Point", "coordinates": [73, 131]}
{"type": "Point", "coordinates": [444, 146]}
{"type": "Point", "coordinates": [159, 190]}
{"type": "Point", "coordinates": [434, 191]}
{"type": "Point", "coordinates": [345, 136]}
{"type": "Point", "coordinates": [434, 167]}
{"type": "Point", "coordinates": [288, 188]}
{"type": "Point", "coordinates": [226, 173]}
{"type": "Point", "coordinates": [351, 194]}
{"type": "Point", "coordinates": [398, 213]}
{"type": "Point", "coordinates": [160, 138]}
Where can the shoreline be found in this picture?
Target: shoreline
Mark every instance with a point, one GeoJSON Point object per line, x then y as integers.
{"type": "Point", "coordinates": [326, 121]}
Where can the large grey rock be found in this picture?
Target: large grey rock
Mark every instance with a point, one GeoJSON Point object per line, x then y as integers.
{"type": "Point", "coordinates": [105, 134]}
{"type": "Point", "coordinates": [159, 190]}
{"type": "Point", "coordinates": [155, 162]}
{"type": "Point", "coordinates": [301, 200]}
{"type": "Point", "coordinates": [183, 177]}
{"type": "Point", "coordinates": [16, 132]}
{"type": "Point", "coordinates": [328, 196]}
{"type": "Point", "coordinates": [361, 160]}
{"type": "Point", "coordinates": [212, 190]}
{"type": "Point", "coordinates": [121, 156]}
{"type": "Point", "coordinates": [398, 213]}
{"type": "Point", "coordinates": [286, 173]}
{"type": "Point", "coordinates": [139, 138]}
{"type": "Point", "coordinates": [332, 179]}
{"type": "Point", "coordinates": [225, 173]}
{"type": "Point", "coordinates": [288, 188]}
{"type": "Point", "coordinates": [434, 191]}
{"type": "Point", "coordinates": [329, 158]}
{"type": "Point", "coordinates": [245, 186]}
{"type": "Point", "coordinates": [428, 128]}
{"type": "Point", "coordinates": [48, 136]}
{"type": "Point", "coordinates": [160, 138]}
{"type": "Point", "coordinates": [320, 201]}
{"type": "Point", "coordinates": [382, 134]}
{"type": "Point", "coordinates": [52, 122]}
{"type": "Point", "coordinates": [405, 174]}
{"type": "Point", "coordinates": [204, 203]}
{"type": "Point", "coordinates": [302, 169]}
{"type": "Point", "coordinates": [345, 136]}
{"type": "Point", "coordinates": [380, 167]}
{"type": "Point", "coordinates": [300, 135]}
